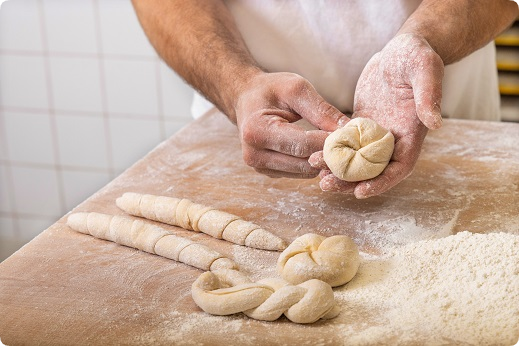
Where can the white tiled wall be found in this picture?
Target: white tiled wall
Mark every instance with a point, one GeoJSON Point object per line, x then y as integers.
{"type": "Point", "coordinates": [83, 95]}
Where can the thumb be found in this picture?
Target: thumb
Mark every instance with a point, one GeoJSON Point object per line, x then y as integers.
{"type": "Point", "coordinates": [314, 108]}
{"type": "Point", "coordinates": [427, 90]}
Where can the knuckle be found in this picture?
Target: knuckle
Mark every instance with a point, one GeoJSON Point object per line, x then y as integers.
{"type": "Point", "coordinates": [269, 173]}
{"type": "Point", "coordinates": [299, 149]}
{"type": "Point", "coordinates": [248, 134]}
{"type": "Point", "coordinates": [297, 85]}
{"type": "Point", "coordinates": [326, 110]}
{"type": "Point", "coordinates": [307, 170]}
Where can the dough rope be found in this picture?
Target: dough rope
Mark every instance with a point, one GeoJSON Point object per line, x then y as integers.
{"type": "Point", "coordinates": [226, 292]}
{"type": "Point", "coordinates": [358, 151]}
{"type": "Point", "coordinates": [199, 218]}
{"type": "Point", "coordinates": [334, 260]}
{"type": "Point", "coordinates": [150, 238]}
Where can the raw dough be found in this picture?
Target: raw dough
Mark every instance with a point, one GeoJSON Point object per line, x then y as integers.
{"type": "Point", "coordinates": [358, 151]}
{"type": "Point", "coordinates": [149, 238]}
{"type": "Point", "coordinates": [334, 260]}
{"type": "Point", "coordinates": [199, 218]}
{"type": "Point", "coordinates": [226, 292]}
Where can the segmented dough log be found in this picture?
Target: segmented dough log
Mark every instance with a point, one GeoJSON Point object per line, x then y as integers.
{"type": "Point", "coordinates": [199, 218]}
{"type": "Point", "coordinates": [226, 292]}
{"type": "Point", "coordinates": [149, 238]}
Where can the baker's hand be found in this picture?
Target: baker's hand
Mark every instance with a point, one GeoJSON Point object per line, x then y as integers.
{"type": "Point", "coordinates": [400, 88]}
{"type": "Point", "coordinates": [265, 114]}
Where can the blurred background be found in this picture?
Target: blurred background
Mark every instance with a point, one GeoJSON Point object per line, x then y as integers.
{"type": "Point", "coordinates": [83, 95]}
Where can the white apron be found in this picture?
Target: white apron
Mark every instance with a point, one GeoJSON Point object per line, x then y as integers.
{"type": "Point", "coordinates": [330, 42]}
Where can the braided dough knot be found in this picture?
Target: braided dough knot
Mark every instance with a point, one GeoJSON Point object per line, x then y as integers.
{"type": "Point", "coordinates": [358, 151]}
{"type": "Point", "coordinates": [334, 260]}
{"type": "Point", "coordinates": [226, 292]}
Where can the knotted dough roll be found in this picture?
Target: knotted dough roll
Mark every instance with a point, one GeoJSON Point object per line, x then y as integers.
{"type": "Point", "coordinates": [226, 292]}
{"type": "Point", "coordinates": [358, 151]}
{"type": "Point", "coordinates": [149, 238]}
{"type": "Point", "coordinates": [334, 260]}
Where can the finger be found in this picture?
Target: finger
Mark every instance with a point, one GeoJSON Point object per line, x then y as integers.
{"type": "Point", "coordinates": [271, 160]}
{"type": "Point", "coordinates": [331, 183]}
{"type": "Point", "coordinates": [394, 173]}
{"type": "Point", "coordinates": [407, 150]}
{"type": "Point", "coordinates": [279, 174]}
{"type": "Point", "coordinates": [427, 90]}
{"type": "Point", "coordinates": [324, 173]}
{"type": "Point", "coordinates": [287, 138]}
{"type": "Point", "coordinates": [316, 160]}
{"type": "Point", "coordinates": [306, 101]}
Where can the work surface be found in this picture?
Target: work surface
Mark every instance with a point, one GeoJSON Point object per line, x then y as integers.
{"type": "Point", "coordinates": [66, 288]}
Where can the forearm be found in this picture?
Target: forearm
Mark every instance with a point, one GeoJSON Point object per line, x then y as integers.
{"type": "Point", "coordinates": [456, 28]}
{"type": "Point", "coordinates": [200, 41]}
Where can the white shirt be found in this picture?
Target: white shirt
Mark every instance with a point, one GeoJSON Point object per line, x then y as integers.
{"type": "Point", "coordinates": [330, 42]}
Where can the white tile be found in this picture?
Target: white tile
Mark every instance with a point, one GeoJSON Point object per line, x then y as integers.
{"type": "Point", "coordinates": [30, 227]}
{"type": "Point", "coordinates": [23, 81]}
{"type": "Point", "coordinates": [82, 141]}
{"type": "Point", "coordinates": [9, 245]}
{"type": "Point", "coordinates": [173, 126]}
{"type": "Point", "coordinates": [131, 87]}
{"type": "Point", "coordinates": [36, 191]}
{"type": "Point", "coordinates": [29, 137]}
{"type": "Point", "coordinates": [3, 134]}
{"type": "Point", "coordinates": [70, 26]}
{"type": "Point", "coordinates": [177, 95]}
{"type": "Point", "coordinates": [20, 26]}
{"type": "Point", "coordinates": [80, 185]}
{"type": "Point", "coordinates": [121, 32]}
{"type": "Point", "coordinates": [5, 190]}
{"type": "Point", "coordinates": [132, 139]}
{"type": "Point", "coordinates": [76, 84]}
{"type": "Point", "coordinates": [7, 229]}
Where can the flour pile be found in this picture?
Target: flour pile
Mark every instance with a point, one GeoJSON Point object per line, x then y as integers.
{"type": "Point", "coordinates": [462, 289]}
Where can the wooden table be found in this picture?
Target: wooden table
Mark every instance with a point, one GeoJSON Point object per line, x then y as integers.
{"type": "Point", "coordinates": [65, 288]}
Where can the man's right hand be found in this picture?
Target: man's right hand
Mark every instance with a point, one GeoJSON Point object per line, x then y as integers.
{"type": "Point", "coordinates": [265, 114]}
{"type": "Point", "coordinates": [200, 40]}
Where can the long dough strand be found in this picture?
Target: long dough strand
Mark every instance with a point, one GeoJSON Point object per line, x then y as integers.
{"type": "Point", "coordinates": [199, 218]}
{"type": "Point", "coordinates": [226, 292]}
{"type": "Point", "coordinates": [150, 238]}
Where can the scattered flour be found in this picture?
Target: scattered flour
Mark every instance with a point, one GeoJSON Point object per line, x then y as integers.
{"type": "Point", "coordinates": [462, 289]}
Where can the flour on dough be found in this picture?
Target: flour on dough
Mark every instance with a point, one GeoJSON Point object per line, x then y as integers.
{"type": "Point", "coordinates": [358, 151]}
{"type": "Point", "coordinates": [334, 260]}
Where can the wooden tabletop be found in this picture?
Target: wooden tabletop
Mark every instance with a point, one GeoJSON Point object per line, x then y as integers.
{"type": "Point", "coordinates": [66, 288]}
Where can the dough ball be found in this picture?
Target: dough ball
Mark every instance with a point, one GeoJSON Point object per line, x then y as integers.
{"type": "Point", "coordinates": [358, 151]}
{"type": "Point", "coordinates": [334, 260]}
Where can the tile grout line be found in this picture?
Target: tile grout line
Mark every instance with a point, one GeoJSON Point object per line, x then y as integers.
{"type": "Point", "coordinates": [10, 180]}
{"type": "Point", "coordinates": [160, 107]}
{"type": "Point", "coordinates": [51, 111]}
{"type": "Point", "coordinates": [73, 55]}
{"type": "Point", "coordinates": [37, 165]}
{"type": "Point", "coordinates": [79, 113]}
{"type": "Point", "coordinates": [103, 89]}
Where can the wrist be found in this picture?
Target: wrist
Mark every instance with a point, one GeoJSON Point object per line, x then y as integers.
{"type": "Point", "coordinates": [238, 85]}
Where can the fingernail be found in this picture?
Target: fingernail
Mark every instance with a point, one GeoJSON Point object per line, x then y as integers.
{"type": "Point", "coordinates": [343, 121]}
{"type": "Point", "coordinates": [313, 161]}
{"type": "Point", "coordinates": [367, 192]}
{"type": "Point", "coordinates": [360, 196]}
{"type": "Point", "coordinates": [438, 115]}
{"type": "Point", "coordinates": [324, 186]}
{"type": "Point", "coordinates": [439, 121]}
